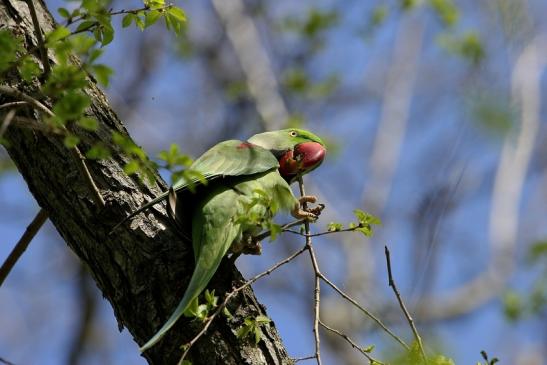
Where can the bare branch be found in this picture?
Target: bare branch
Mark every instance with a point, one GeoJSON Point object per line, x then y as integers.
{"type": "Point", "coordinates": [317, 286]}
{"type": "Point", "coordinates": [8, 90]}
{"type": "Point", "coordinates": [365, 311]}
{"type": "Point", "coordinates": [6, 362]}
{"type": "Point", "coordinates": [22, 245]}
{"type": "Point", "coordinates": [13, 104]}
{"type": "Point", "coordinates": [311, 357]}
{"type": "Point", "coordinates": [6, 122]}
{"type": "Point", "coordinates": [352, 343]}
{"type": "Point", "coordinates": [403, 306]}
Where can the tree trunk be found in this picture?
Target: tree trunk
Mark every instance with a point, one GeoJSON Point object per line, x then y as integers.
{"type": "Point", "coordinates": [142, 268]}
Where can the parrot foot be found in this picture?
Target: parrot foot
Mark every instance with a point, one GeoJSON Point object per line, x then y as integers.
{"type": "Point", "coordinates": [309, 213]}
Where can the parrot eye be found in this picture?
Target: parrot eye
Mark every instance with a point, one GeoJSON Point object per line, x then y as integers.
{"type": "Point", "coordinates": [293, 133]}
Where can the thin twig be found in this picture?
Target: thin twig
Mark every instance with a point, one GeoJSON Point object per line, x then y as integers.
{"type": "Point", "coordinates": [6, 362]}
{"type": "Point", "coordinates": [81, 160]}
{"type": "Point", "coordinates": [352, 343]}
{"type": "Point", "coordinates": [13, 104]}
{"type": "Point", "coordinates": [22, 245]}
{"type": "Point", "coordinates": [322, 233]}
{"type": "Point", "coordinates": [6, 122]}
{"type": "Point", "coordinates": [403, 307]}
{"type": "Point", "coordinates": [230, 295]}
{"type": "Point", "coordinates": [32, 124]}
{"type": "Point", "coordinates": [284, 228]}
{"type": "Point", "coordinates": [317, 286]}
{"type": "Point", "coordinates": [87, 175]}
{"type": "Point", "coordinates": [298, 359]}
{"type": "Point", "coordinates": [8, 90]}
{"type": "Point", "coordinates": [38, 32]}
{"type": "Point", "coordinates": [366, 312]}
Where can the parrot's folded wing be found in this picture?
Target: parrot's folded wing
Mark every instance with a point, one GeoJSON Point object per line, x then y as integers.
{"type": "Point", "coordinates": [228, 158]}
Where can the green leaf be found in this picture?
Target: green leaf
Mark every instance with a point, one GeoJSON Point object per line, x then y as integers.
{"type": "Point", "coordinates": [29, 69]}
{"type": "Point", "coordinates": [512, 306]}
{"type": "Point", "coordinates": [9, 45]}
{"type": "Point", "coordinates": [107, 34]}
{"type": "Point", "coordinates": [408, 4]}
{"type": "Point", "coordinates": [379, 15]}
{"type": "Point", "coordinates": [151, 17]}
{"type": "Point", "coordinates": [175, 19]}
{"type": "Point", "coordinates": [86, 25]}
{"type": "Point", "coordinates": [260, 319]}
{"type": "Point", "coordinates": [128, 145]}
{"type": "Point", "coordinates": [64, 13]}
{"type": "Point", "coordinates": [127, 20]}
{"type": "Point", "coordinates": [132, 167]}
{"type": "Point", "coordinates": [81, 44]}
{"type": "Point", "coordinates": [227, 313]}
{"type": "Point", "coordinates": [275, 230]}
{"type": "Point", "coordinates": [102, 73]}
{"type": "Point", "coordinates": [243, 332]}
{"type": "Point", "coordinates": [88, 123]}
{"type": "Point", "coordinates": [71, 141]}
{"type": "Point", "coordinates": [334, 227]}
{"type": "Point", "coordinates": [257, 335]}
{"type": "Point", "coordinates": [139, 22]}
{"type": "Point", "coordinates": [210, 299]}
{"type": "Point", "coordinates": [366, 218]}
{"type": "Point", "coordinates": [65, 78]}
{"type": "Point", "coordinates": [192, 309]}
{"type": "Point", "coordinates": [154, 4]}
{"type": "Point", "coordinates": [469, 46]}
{"type": "Point", "coordinates": [98, 152]}
{"type": "Point", "coordinates": [91, 5]}
{"type": "Point", "coordinates": [368, 349]}
{"type": "Point", "coordinates": [441, 360]}
{"type": "Point", "coordinates": [56, 35]}
{"type": "Point", "coordinates": [538, 250]}
{"type": "Point", "coordinates": [446, 10]}
{"type": "Point", "coordinates": [71, 106]}
{"type": "Point", "coordinates": [173, 157]}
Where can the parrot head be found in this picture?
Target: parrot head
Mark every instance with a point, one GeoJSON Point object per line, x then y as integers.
{"type": "Point", "coordinates": [297, 150]}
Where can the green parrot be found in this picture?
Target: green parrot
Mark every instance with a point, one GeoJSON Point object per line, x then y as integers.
{"type": "Point", "coordinates": [246, 184]}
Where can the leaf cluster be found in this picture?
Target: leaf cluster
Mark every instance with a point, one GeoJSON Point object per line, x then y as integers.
{"type": "Point", "coordinates": [86, 31]}
{"type": "Point", "coordinates": [251, 328]}
{"type": "Point", "coordinates": [199, 310]}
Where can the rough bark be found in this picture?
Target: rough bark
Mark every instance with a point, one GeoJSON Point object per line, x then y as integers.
{"type": "Point", "coordinates": [142, 269]}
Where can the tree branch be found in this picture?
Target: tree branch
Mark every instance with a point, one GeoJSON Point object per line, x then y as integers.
{"type": "Point", "coordinates": [403, 306]}
{"type": "Point", "coordinates": [22, 244]}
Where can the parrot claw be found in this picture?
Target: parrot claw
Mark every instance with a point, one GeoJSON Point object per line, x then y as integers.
{"type": "Point", "coordinates": [307, 199]}
{"type": "Point", "coordinates": [302, 214]}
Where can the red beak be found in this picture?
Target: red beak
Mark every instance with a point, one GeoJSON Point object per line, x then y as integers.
{"type": "Point", "coordinates": [306, 156]}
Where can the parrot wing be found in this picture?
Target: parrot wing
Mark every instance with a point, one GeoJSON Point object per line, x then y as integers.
{"type": "Point", "coordinates": [228, 158]}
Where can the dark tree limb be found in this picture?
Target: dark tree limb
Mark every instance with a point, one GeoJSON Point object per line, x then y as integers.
{"type": "Point", "coordinates": [143, 268]}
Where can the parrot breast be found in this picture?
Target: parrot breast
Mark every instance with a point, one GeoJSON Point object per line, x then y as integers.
{"type": "Point", "coordinates": [305, 157]}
